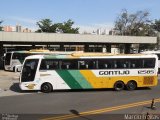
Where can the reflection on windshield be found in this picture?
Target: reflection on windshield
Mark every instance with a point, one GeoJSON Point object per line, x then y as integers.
{"type": "Point", "coordinates": [29, 70]}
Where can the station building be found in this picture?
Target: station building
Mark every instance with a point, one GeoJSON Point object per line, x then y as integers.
{"type": "Point", "coordinates": [13, 41]}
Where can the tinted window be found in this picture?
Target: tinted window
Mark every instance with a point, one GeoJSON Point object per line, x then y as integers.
{"type": "Point", "coordinates": [158, 56]}
{"type": "Point", "coordinates": [105, 63]}
{"type": "Point", "coordinates": [69, 64]}
{"type": "Point", "coordinates": [87, 64]}
{"type": "Point", "coordinates": [136, 63]}
{"type": "Point", "coordinates": [7, 58]}
{"type": "Point", "coordinates": [98, 64]}
{"type": "Point", "coordinates": [122, 63]}
{"type": "Point", "coordinates": [149, 63]}
{"type": "Point", "coordinates": [16, 56]}
{"type": "Point", "coordinates": [126, 63]}
{"type": "Point", "coordinates": [49, 64]}
{"type": "Point", "coordinates": [29, 70]}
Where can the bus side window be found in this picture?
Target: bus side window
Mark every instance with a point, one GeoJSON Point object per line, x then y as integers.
{"type": "Point", "coordinates": [65, 66]}
{"type": "Point", "coordinates": [133, 65]}
{"type": "Point", "coordinates": [43, 65]}
{"type": "Point", "coordinates": [49, 65]}
{"type": "Point", "coordinates": [68, 64]}
{"type": "Point", "coordinates": [158, 56]}
{"type": "Point", "coordinates": [81, 64]}
{"type": "Point", "coordinates": [136, 63]}
{"type": "Point", "coordinates": [87, 64]}
{"type": "Point", "coordinates": [105, 64]}
{"type": "Point", "coordinates": [121, 63]}
{"type": "Point", "coordinates": [149, 63]}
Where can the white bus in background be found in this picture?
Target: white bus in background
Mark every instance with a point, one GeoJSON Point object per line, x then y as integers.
{"type": "Point", "coordinates": [156, 53]}
{"type": "Point", "coordinates": [13, 60]}
{"type": "Point", "coordinates": [88, 71]}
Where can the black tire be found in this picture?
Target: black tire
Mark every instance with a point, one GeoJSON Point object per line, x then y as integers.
{"type": "Point", "coordinates": [131, 85]}
{"type": "Point", "coordinates": [46, 87]}
{"type": "Point", "coordinates": [119, 85]}
{"type": "Point", "coordinates": [14, 69]}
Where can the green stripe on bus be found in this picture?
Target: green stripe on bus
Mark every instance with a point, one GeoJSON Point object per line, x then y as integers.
{"type": "Point", "coordinates": [49, 56]}
{"type": "Point", "coordinates": [67, 77]}
{"type": "Point", "coordinates": [55, 56]}
{"type": "Point", "coordinates": [80, 79]}
{"type": "Point", "coordinates": [61, 56]}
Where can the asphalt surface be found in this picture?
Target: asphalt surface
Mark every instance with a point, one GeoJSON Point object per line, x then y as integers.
{"type": "Point", "coordinates": [61, 103]}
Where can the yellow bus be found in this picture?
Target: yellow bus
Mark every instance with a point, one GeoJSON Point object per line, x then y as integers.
{"type": "Point", "coordinates": [88, 71]}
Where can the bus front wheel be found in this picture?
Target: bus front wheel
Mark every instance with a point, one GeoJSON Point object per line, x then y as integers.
{"type": "Point", "coordinates": [46, 87]}
{"type": "Point", "coordinates": [119, 85]}
{"type": "Point", "coordinates": [131, 85]}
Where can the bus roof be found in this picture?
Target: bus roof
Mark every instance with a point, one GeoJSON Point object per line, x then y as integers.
{"type": "Point", "coordinates": [151, 52]}
{"type": "Point", "coordinates": [44, 51]}
{"type": "Point", "coordinates": [90, 55]}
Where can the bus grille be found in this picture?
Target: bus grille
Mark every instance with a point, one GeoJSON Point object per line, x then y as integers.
{"type": "Point", "coordinates": [148, 80]}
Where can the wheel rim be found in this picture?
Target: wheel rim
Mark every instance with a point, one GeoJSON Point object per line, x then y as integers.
{"type": "Point", "coordinates": [119, 86]}
{"type": "Point", "coordinates": [45, 87]}
{"type": "Point", "coordinates": [132, 85]}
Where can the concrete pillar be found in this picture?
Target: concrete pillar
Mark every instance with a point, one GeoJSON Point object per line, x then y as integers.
{"type": "Point", "coordinates": [33, 46]}
{"type": "Point", "coordinates": [86, 48]}
{"type": "Point", "coordinates": [61, 47]}
{"type": "Point", "coordinates": [108, 47]}
{"type": "Point", "coordinates": [1, 54]}
{"type": "Point", "coordinates": [127, 48]}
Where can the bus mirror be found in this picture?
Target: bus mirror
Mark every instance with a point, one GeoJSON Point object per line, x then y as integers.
{"type": "Point", "coordinates": [18, 68]}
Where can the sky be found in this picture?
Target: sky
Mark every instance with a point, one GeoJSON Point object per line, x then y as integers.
{"type": "Point", "coordinates": [88, 15]}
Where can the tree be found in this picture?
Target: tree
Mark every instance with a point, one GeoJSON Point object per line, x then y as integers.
{"type": "Point", "coordinates": [156, 25]}
{"type": "Point", "coordinates": [1, 26]}
{"type": "Point", "coordinates": [67, 27]}
{"type": "Point", "coordinates": [137, 24]}
{"type": "Point", "coordinates": [46, 25]}
{"type": "Point", "coordinates": [121, 22]}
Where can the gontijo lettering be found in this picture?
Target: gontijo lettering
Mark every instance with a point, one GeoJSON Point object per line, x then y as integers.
{"type": "Point", "coordinates": [114, 72]}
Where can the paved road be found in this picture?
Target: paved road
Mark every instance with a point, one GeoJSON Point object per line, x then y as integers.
{"type": "Point", "coordinates": [9, 84]}
{"type": "Point", "coordinates": [106, 102]}
{"type": "Point", "coordinates": [61, 103]}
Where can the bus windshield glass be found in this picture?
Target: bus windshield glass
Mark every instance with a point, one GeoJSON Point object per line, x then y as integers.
{"type": "Point", "coordinates": [7, 59]}
{"type": "Point", "coordinates": [29, 70]}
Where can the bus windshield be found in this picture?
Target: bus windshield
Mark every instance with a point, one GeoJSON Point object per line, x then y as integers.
{"type": "Point", "coordinates": [29, 70]}
{"type": "Point", "coordinates": [7, 59]}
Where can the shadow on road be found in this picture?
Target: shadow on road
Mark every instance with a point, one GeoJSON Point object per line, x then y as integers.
{"type": "Point", "coordinates": [15, 88]}
{"type": "Point", "coordinates": [76, 113]}
{"type": "Point", "coordinates": [101, 90]}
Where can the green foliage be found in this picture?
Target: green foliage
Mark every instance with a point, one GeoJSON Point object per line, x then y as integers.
{"type": "Point", "coordinates": [1, 26]}
{"type": "Point", "coordinates": [46, 25]}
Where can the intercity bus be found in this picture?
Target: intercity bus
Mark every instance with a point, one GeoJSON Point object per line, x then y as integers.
{"type": "Point", "coordinates": [13, 60]}
{"type": "Point", "coordinates": [156, 53]}
{"type": "Point", "coordinates": [88, 71]}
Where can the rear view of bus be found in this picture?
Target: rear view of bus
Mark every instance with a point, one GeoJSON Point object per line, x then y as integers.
{"type": "Point", "coordinates": [89, 71]}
